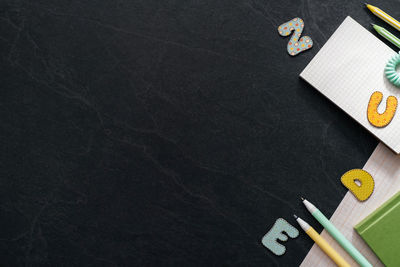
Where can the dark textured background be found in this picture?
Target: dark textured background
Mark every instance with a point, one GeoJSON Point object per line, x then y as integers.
{"type": "Point", "coordinates": [145, 133]}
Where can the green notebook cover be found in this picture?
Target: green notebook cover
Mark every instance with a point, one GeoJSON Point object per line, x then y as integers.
{"type": "Point", "coordinates": [381, 231]}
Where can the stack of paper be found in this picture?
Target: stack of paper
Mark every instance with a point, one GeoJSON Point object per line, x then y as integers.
{"type": "Point", "coordinates": [348, 69]}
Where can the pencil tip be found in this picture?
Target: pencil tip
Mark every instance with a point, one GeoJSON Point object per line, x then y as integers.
{"type": "Point", "coordinates": [302, 198]}
{"type": "Point", "coordinates": [295, 216]}
{"type": "Point", "coordinates": [366, 4]}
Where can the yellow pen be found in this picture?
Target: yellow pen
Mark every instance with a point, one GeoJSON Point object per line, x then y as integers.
{"type": "Point", "coordinates": [382, 15]}
{"type": "Point", "coordinates": [322, 243]}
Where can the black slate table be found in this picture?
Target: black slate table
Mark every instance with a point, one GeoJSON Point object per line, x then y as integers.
{"type": "Point", "coordinates": [165, 133]}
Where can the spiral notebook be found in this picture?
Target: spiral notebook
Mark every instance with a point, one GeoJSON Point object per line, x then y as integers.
{"type": "Point", "coordinates": [348, 69]}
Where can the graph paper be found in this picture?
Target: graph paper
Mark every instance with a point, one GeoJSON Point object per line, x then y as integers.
{"type": "Point", "coordinates": [384, 166]}
{"type": "Point", "coordinates": [348, 69]}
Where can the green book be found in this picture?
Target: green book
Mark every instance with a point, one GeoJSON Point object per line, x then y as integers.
{"type": "Point", "coordinates": [381, 231]}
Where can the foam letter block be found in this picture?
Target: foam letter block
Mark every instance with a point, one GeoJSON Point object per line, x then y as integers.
{"type": "Point", "coordinates": [297, 44]}
{"type": "Point", "coordinates": [363, 191]}
{"type": "Point", "coordinates": [381, 119]}
{"type": "Point", "coordinates": [270, 240]}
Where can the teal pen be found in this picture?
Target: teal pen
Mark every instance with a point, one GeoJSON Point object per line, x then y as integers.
{"type": "Point", "coordinates": [336, 234]}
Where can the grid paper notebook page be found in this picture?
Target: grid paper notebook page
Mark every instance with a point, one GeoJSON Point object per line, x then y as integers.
{"type": "Point", "coordinates": [384, 166]}
{"type": "Point", "coordinates": [348, 69]}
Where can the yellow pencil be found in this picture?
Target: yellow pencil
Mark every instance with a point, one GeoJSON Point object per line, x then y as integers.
{"type": "Point", "coordinates": [322, 243]}
{"type": "Point", "coordinates": [380, 14]}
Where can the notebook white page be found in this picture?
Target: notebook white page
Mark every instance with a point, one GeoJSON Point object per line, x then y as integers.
{"type": "Point", "coordinates": [384, 166]}
{"type": "Point", "coordinates": [348, 69]}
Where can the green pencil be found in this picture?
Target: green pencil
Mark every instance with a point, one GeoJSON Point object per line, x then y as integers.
{"type": "Point", "coordinates": [387, 35]}
{"type": "Point", "coordinates": [336, 234]}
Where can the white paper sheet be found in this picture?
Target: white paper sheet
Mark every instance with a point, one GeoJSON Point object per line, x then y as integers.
{"type": "Point", "coordinates": [384, 166]}
{"type": "Point", "coordinates": [348, 69]}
